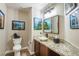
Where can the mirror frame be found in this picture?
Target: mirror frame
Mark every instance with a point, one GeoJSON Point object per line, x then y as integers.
{"type": "Point", "coordinates": [52, 18]}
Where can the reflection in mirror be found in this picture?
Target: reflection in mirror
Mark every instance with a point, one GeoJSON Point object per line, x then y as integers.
{"type": "Point", "coordinates": [55, 24]}
{"type": "Point", "coordinates": [47, 25]}
{"type": "Point", "coordinates": [37, 23]}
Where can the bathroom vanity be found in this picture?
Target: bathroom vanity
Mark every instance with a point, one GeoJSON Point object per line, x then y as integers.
{"type": "Point", "coordinates": [49, 48]}
{"type": "Point", "coordinates": [42, 50]}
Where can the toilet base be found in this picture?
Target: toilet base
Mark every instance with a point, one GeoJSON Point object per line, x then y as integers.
{"type": "Point", "coordinates": [17, 53]}
{"type": "Point", "coordinates": [17, 49]}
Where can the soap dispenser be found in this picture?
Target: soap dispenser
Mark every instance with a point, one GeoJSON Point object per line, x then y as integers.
{"type": "Point", "coordinates": [56, 39]}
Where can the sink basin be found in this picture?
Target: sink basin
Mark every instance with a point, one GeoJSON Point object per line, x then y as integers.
{"type": "Point", "coordinates": [43, 38]}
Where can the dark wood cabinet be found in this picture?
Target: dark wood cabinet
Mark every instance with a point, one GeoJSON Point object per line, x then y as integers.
{"type": "Point", "coordinates": [36, 48]}
{"type": "Point", "coordinates": [42, 50]}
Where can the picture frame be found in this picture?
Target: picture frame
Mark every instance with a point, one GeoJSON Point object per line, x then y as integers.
{"type": "Point", "coordinates": [47, 28]}
{"type": "Point", "coordinates": [37, 23]}
{"type": "Point", "coordinates": [69, 7]}
{"type": "Point", "coordinates": [74, 19]}
{"type": "Point", "coordinates": [2, 19]}
{"type": "Point", "coordinates": [73, 22]}
{"type": "Point", "coordinates": [18, 25]}
{"type": "Point", "coordinates": [55, 24]}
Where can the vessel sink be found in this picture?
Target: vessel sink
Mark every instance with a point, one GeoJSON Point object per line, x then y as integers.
{"type": "Point", "coordinates": [43, 38]}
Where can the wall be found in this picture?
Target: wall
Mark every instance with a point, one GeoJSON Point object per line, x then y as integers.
{"type": "Point", "coordinates": [11, 15]}
{"type": "Point", "coordinates": [58, 10]}
{"type": "Point", "coordinates": [26, 15]}
{"type": "Point", "coordinates": [29, 25]}
{"type": "Point", "coordinates": [71, 35]}
{"type": "Point", "coordinates": [3, 40]}
{"type": "Point", "coordinates": [35, 13]}
{"type": "Point", "coordinates": [22, 15]}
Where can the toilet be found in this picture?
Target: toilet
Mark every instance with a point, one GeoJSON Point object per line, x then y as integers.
{"type": "Point", "coordinates": [17, 46]}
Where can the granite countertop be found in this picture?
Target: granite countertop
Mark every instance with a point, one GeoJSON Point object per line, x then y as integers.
{"type": "Point", "coordinates": [64, 49]}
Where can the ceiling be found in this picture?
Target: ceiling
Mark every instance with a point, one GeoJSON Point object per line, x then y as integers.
{"type": "Point", "coordinates": [26, 5]}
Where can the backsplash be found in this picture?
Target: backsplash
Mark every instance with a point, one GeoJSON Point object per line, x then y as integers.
{"type": "Point", "coordinates": [53, 35]}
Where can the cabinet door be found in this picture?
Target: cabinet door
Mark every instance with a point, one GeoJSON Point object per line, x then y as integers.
{"type": "Point", "coordinates": [37, 48]}
{"type": "Point", "coordinates": [43, 50]}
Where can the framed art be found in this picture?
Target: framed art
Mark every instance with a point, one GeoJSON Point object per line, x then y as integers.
{"type": "Point", "coordinates": [55, 24]}
{"type": "Point", "coordinates": [2, 18]}
{"type": "Point", "coordinates": [69, 7]}
{"type": "Point", "coordinates": [74, 20]}
{"type": "Point", "coordinates": [47, 25]}
{"type": "Point", "coordinates": [18, 25]}
{"type": "Point", "coordinates": [37, 23]}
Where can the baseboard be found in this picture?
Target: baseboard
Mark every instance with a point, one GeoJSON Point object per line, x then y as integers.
{"type": "Point", "coordinates": [31, 52]}
{"type": "Point", "coordinates": [72, 44]}
{"type": "Point", "coordinates": [10, 51]}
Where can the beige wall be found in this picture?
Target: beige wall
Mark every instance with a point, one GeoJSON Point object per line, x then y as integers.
{"type": "Point", "coordinates": [6, 42]}
{"type": "Point", "coordinates": [26, 15]}
{"type": "Point", "coordinates": [11, 15]}
{"type": "Point", "coordinates": [35, 13]}
{"type": "Point", "coordinates": [3, 40]}
{"type": "Point", "coordinates": [29, 24]}
{"type": "Point", "coordinates": [22, 15]}
{"type": "Point", "coordinates": [14, 14]}
{"type": "Point", "coordinates": [59, 10]}
{"type": "Point", "coordinates": [71, 35]}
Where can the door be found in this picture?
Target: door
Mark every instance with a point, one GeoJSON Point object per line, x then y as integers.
{"type": "Point", "coordinates": [43, 50]}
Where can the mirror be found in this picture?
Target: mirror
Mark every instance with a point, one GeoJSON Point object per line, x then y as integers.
{"type": "Point", "coordinates": [37, 23]}
{"type": "Point", "coordinates": [47, 25]}
{"type": "Point", "coordinates": [55, 24]}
